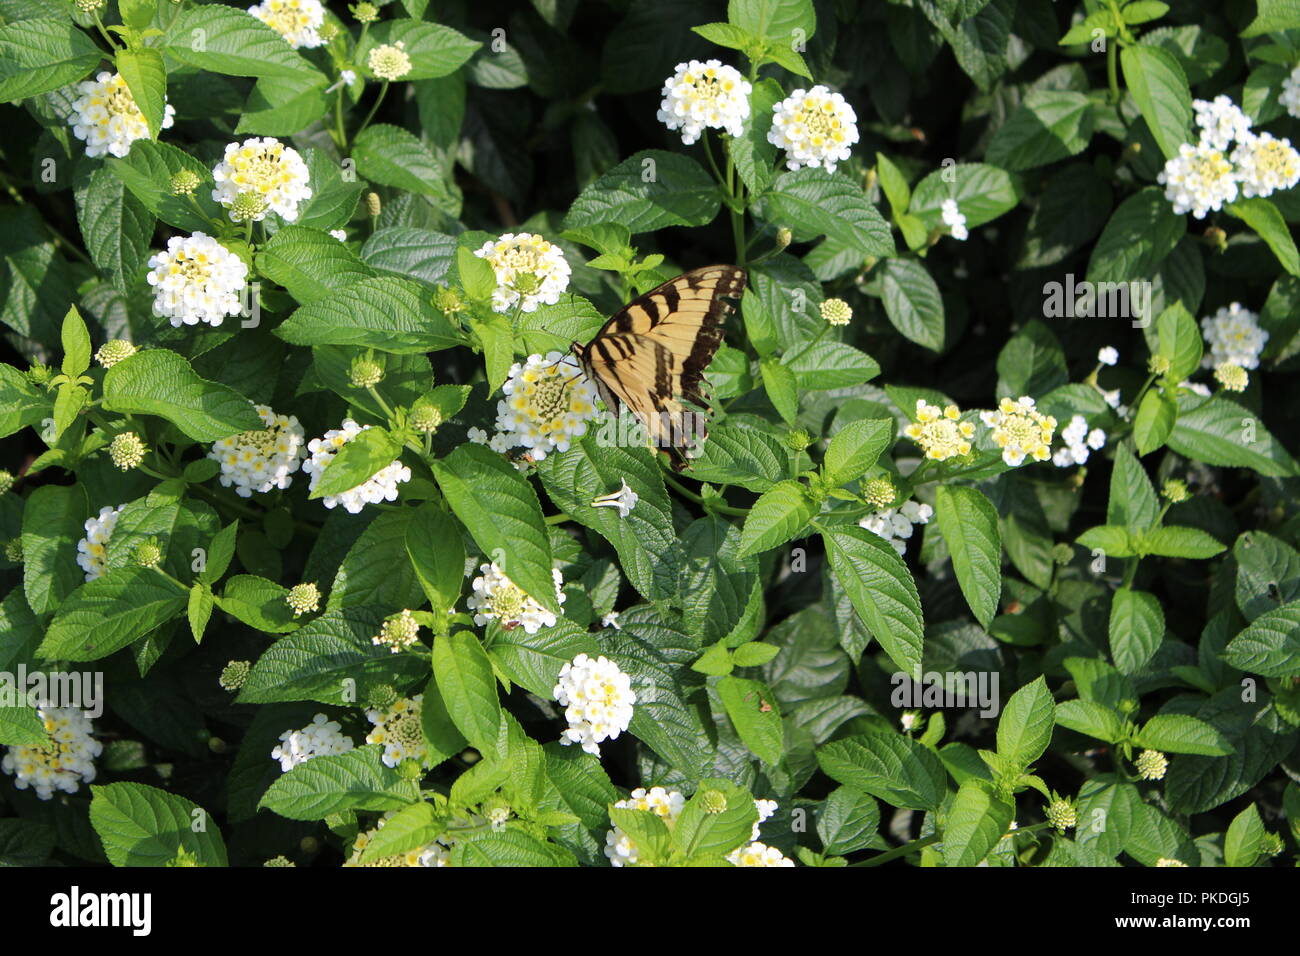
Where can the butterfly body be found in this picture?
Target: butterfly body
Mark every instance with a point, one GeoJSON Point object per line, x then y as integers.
{"type": "Point", "coordinates": [651, 355]}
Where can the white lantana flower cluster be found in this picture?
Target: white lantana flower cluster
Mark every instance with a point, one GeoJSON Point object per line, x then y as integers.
{"type": "Point", "coordinates": [1290, 95]}
{"type": "Point", "coordinates": [620, 849]}
{"type": "Point", "coordinates": [105, 116]}
{"type": "Point", "coordinates": [895, 524]}
{"type": "Point", "coordinates": [196, 279]}
{"type": "Point", "coordinates": [263, 169]}
{"type": "Point", "coordinates": [398, 728]}
{"type": "Point", "coordinates": [547, 404]}
{"type": "Point", "coordinates": [759, 854]}
{"type": "Point", "coordinates": [1204, 176]}
{"type": "Point", "coordinates": [1079, 442]}
{"type": "Point", "coordinates": [1234, 336]}
{"type": "Point", "coordinates": [260, 459]}
{"type": "Point", "coordinates": [298, 21]}
{"type": "Point", "coordinates": [92, 550]}
{"type": "Point", "coordinates": [381, 486]}
{"type": "Point", "coordinates": [319, 738]}
{"type": "Point", "coordinates": [1020, 430]}
{"type": "Point", "coordinates": [815, 128]}
{"type": "Point", "coordinates": [497, 598]}
{"type": "Point", "coordinates": [530, 271]}
{"type": "Point", "coordinates": [64, 762]}
{"type": "Point", "coordinates": [1108, 355]}
{"type": "Point", "coordinates": [954, 220]}
{"type": "Point", "coordinates": [708, 95]}
{"type": "Point", "coordinates": [597, 699]}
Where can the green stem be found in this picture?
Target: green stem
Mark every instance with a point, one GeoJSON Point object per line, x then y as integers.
{"type": "Point", "coordinates": [791, 359]}
{"type": "Point", "coordinates": [104, 33]}
{"type": "Point", "coordinates": [708, 504]}
{"type": "Point", "coordinates": [383, 90]}
{"type": "Point", "coordinates": [374, 393]}
{"type": "Point", "coordinates": [1112, 71]}
{"type": "Point", "coordinates": [907, 849]}
{"type": "Point", "coordinates": [340, 134]}
{"type": "Point", "coordinates": [560, 518]}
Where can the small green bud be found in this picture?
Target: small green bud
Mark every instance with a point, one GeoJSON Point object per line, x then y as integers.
{"type": "Point", "coordinates": [1232, 377]}
{"type": "Point", "coordinates": [1175, 490]}
{"type": "Point", "coordinates": [836, 312]}
{"type": "Point", "coordinates": [39, 374]}
{"type": "Point", "coordinates": [14, 550]}
{"type": "Point", "coordinates": [398, 632]}
{"type": "Point", "coordinates": [797, 439]}
{"type": "Point", "coordinates": [784, 237]}
{"type": "Point", "coordinates": [1062, 814]}
{"type": "Point", "coordinates": [1062, 553]}
{"type": "Point", "coordinates": [114, 351]}
{"type": "Point", "coordinates": [525, 283]}
{"type": "Point", "coordinates": [381, 697]}
{"type": "Point", "coordinates": [279, 861]}
{"type": "Point", "coordinates": [1158, 365]}
{"type": "Point", "coordinates": [303, 598]}
{"type": "Point", "coordinates": [447, 301]}
{"type": "Point", "coordinates": [148, 554]}
{"type": "Point", "coordinates": [713, 801]}
{"type": "Point", "coordinates": [184, 857]}
{"type": "Point", "coordinates": [127, 451]}
{"type": "Point", "coordinates": [365, 372]}
{"type": "Point", "coordinates": [184, 182]}
{"type": "Point", "coordinates": [1151, 765]}
{"type": "Point", "coordinates": [879, 492]}
{"type": "Point", "coordinates": [90, 7]}
{"type": "Point", "coordinates": [373, 205]}
{"type": "Point", "coordinates": [425, 416]}
{"type": "Point", "coordinates": [6, 481]}
{"type": "Point", "coordinates": [410, 769]}
{"type": "Point", "coordinates": [234, 674]}
{"type": "Point", "coordinates": [248, 207]}
{"type": "Point", "coordinates": [365, 12]}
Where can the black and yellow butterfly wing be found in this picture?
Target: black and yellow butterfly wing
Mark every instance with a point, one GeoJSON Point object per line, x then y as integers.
{"type": "Point", "coordinates": [651, 355]}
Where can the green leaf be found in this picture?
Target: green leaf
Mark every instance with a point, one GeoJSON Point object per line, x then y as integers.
{"type": "Point", "coordinates": [331, 660]}
{"type": "Point", "coordinates": [977, 821]}
{"type": "Point", "coordinates": [1137, 628]}
{"type": "Point", "coordinates": [433, 542]}
{"type": "Point", "coordinates": [1182, 734]}
{"type": "Point", "coordinates": [1175, 541]}
{"type": "Point", "coordinates": [647, 547]}
{"type": "Point", "coordinates": [371, 451]}
{"type": "Point", "coordinates": [848, 821]}
{"type": "Point", "coordinates": [392, 156]}
{"type": "Point", "coordinates": [1159, 86]}
{"type": "Point", "coordinates": [107, 614]}
{"type": "Point", "coordinates": [1272, 16]}
{"type": "Point", "coordinates": [199, 610]}
{"type": "Point", "coordinates": [465, 682]}
{"type": "Point", "coordinates": [1270, 644]}
{"type": "Point", "coordinates": [753, 154]}
{"type": "Point", "coordinates": [774, 19]}
{"type": "Point", "coordinates": [116, 226]}
{"type": "Point", "coordinates": [225, 40]}
{"type": "Point", "coordinates": [1154, 421]}
{"type": "Point", "coordinates": [782, 388]}
{"type": "Point", "coordinates": [146, 77]}
{"type": "Point", "coordinates": [1048, 126]}
{"type": "Point", "coordinates": [855, 448]}
{"type": "Point", "coordinates": [375, 570]}
{"type": "Point", "coordinates": [40, 55]}
{"type": "Point", "coordinates": [738, 454]}
{"type": "Point", "coordinates": [435, 50]}
{"type": "Point", "coordinates": [1243, 844]}
{"type": "Point", "coordinates": [310, 263]}
{"type": "Point", "coordinates": [646, 192]}
{"type": "Point", "coordinates": [385, 313]}
{"type": "Point", "coordinates": [716, 581]}
{"type": "Point", "coordinates": [501, 511]}
{"type": "Point", "coordinates": [1091, 718]}
{"type": "Point", "coordinates": [882, 591]}
{"type": "Point", "coordinates": [891, 767]}
{"type": "Point", "coordinates": [1217, 431]}
{"type": "Point", "coordinates": [1025, 727]}
{"type": "Point", "coordinates": [334, 783]}
{"type": "Point", "coordinates": [1180, 342]}
{"type": "Point", "coordinates": [813, 202]}
{"type": "Point", "coordinates": [1265, 218]}
{"type": "Point", "coordinates": [969, 524]}
{"type": "Point", "coordinates": [259, 603]}
{"type": "Point", "coordinates": [147, 171]}
{"type": "Point", "coordinates": [160, 382]}
{"type": "Point", "coordinates": [76, 344]}
{"type": "Point", "coordinates": [534, 661]}
{"type": "Point", "coordinates": [701, 830]}
{"type": "Point", "coordinates": [913, 303]}
{"type": "Point", "coordinates": [1141, 232]}
{"type": "Point", "coordinates": [20, 404]}
{"type": "Point", "coordinates": [52, 523]}
{"type": "Point", "coordinates": [410, 828]}
{"type": "Point", "coordinates": [982, 193]}
{"type": "Point", "coordinates": [144, 826]}
{"type": "Point", "coordinates": [754, 714]}
{"type": "Point", "coordinates": [779, 515]}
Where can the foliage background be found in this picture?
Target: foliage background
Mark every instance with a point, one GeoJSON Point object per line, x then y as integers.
{"type": "Point", "coordinates": [1056, 178]}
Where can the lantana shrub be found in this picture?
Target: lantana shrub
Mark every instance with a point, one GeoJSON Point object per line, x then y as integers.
{"type": "Point", "coordinates": [320, 548]}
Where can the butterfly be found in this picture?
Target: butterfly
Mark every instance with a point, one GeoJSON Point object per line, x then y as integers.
{"type": "Point", "coordinates": [651, 355]}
